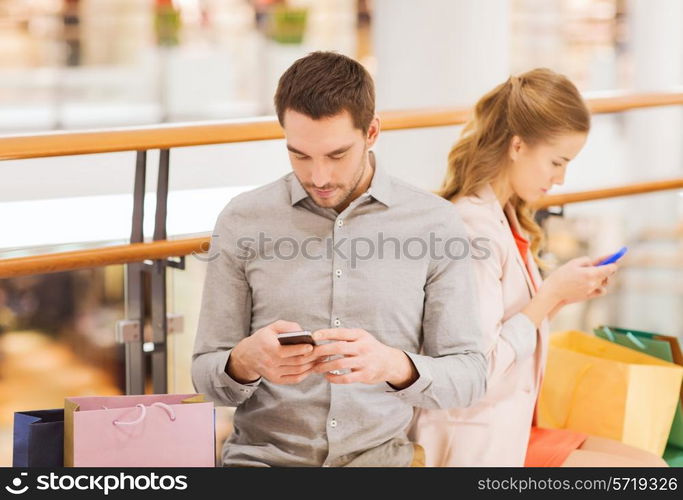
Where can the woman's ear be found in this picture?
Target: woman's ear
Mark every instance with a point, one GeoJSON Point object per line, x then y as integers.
{"type": "Point", "coordinates": [373, 131]}
{"type": "Point", "coordinates": [515, 146]}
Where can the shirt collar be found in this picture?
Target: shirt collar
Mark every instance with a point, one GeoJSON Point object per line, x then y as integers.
{"type": "Point", "coordinates": [296, 190]}
{"type": "Point", "coordinates": [488, 194]}
{"type": "Point", "coordinates": [512, 219]}
{"type": "Point", "coordinates": [380, 186]}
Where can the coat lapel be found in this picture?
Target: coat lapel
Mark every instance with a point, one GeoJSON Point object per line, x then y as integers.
{"type": "Point", "coordinates": [508, 219]}
{"type": "Point", "coordinates": [512, 220]}
{"type": "Point", "coordinates": [488, 195]}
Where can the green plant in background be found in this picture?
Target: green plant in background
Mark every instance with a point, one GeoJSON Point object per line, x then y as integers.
{"type": "Point", "coordinates": [286, 24]}
{"type": "Point", "coordinates": [167, 23]}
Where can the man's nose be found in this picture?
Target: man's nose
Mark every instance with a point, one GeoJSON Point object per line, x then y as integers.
{"type": "Point", "coordinates": [321, 175]}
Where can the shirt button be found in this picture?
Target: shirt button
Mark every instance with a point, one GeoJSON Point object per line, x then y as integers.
{"type": "Point", "coordinates": [338, 272]}
{"type": "Point", "coordinates": [333, 423]}
{"type": "Point", "coordinates": [340, 222]}
{"type": "Point", "coordinates": [337, 322]}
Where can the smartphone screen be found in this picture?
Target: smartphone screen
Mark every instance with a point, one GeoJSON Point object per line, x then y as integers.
{"type": "Point", "coordinates": [291, 338]}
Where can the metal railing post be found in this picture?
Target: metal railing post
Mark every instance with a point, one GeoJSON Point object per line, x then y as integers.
{"type": "Point", "coordinates": [158, 273]}
{"type": "Point", "coordinates": [132, 332]}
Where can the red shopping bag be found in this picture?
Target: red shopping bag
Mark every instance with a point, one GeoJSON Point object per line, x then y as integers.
{"type": "Point", "coordinates": [156, 430]}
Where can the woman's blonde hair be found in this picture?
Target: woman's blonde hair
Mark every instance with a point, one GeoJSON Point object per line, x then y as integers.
{"type": "Point", "coordinates": [535, 106]}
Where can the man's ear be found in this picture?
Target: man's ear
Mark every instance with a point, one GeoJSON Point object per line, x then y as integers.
{"type": "Point", "coordinates": [373, 131]}
{"type": "Point", "coordinates": [515, 146]}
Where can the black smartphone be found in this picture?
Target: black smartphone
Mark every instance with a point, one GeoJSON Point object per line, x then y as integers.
{"type": "Point", "coordinates": [292, 338]}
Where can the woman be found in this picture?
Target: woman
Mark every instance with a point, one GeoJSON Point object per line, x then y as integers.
{"type": "Point", "coordinates": [523, 135]}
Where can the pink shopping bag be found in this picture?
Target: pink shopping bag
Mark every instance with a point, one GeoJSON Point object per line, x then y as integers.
{"type": "Point", "coordinates": [156, 430]}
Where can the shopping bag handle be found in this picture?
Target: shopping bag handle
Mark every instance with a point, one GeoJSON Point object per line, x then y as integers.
{"type": "Point", "coordinates": [609, 333]}
{"type": "Point", "coordinates": [634, 340]}
{"type": "Point", "coordinates": [143, 413]}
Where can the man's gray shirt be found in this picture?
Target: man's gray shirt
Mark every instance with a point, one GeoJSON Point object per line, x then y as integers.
{"type": "Point", "coordinates": [395, 262]}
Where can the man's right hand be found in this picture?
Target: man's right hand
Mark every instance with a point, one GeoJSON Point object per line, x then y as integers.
{"type": "Point", "coordinates": [261, 355]}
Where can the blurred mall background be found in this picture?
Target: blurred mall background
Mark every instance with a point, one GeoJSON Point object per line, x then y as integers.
{"type": "Point", "coordinates": [87, 64]}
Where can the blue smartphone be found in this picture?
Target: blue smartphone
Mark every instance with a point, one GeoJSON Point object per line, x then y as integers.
{"type": "Point", "coordinates": [614, 257]}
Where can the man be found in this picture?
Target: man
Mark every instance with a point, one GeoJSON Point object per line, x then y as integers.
{"type": "Point", "coordinates": [337, 247]}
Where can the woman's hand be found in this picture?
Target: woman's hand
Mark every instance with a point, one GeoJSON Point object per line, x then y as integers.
{"type": "Point", "coordinates": [578, 280]}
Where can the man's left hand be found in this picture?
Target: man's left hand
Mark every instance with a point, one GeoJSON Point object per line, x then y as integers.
{"type": "Point", "coordinates": [369, 361]}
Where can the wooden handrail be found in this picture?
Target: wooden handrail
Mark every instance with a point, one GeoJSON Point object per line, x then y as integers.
{"type": "Point", "coordinates": [138, 252]}
{"type": "Point", "coordinates": [14, 147]}
{"type": "Point", "coordinates": [99, 257]}
{"type": "Point", "coordinates": [616, 102]}
{"type": "Point", "coordinates": [614, 192]}
{"type": "Point", "coordinates": [180, 135]}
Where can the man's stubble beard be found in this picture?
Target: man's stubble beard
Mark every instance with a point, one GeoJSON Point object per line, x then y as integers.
{"type": "Point", "coordinates": [364, 163]}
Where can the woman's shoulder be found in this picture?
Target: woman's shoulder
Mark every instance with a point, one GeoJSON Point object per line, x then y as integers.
{"type": "Point", "coordinates": [483, 218]}
{"type": "Point", "coordinates": [478, 211]}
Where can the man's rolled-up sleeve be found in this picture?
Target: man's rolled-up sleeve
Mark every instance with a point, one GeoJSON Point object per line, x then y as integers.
{"type": "Point", "coordinates": [225, 317]}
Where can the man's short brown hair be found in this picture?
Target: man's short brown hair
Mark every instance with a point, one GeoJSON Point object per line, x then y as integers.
{"type": "Point", "coordinates": [324, 84]}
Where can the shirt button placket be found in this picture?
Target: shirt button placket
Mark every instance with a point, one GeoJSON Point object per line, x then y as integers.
{"type": "Point", "coordinates": [338, 286]}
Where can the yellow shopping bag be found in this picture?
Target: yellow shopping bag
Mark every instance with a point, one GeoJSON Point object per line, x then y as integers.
{"type": "Point", "coordinates": [603, 389]}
